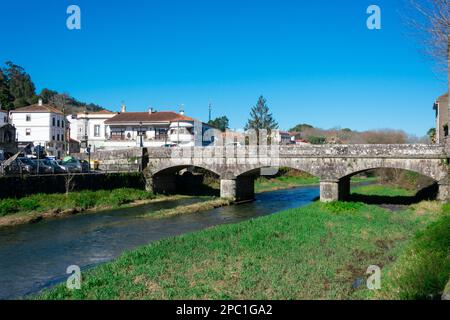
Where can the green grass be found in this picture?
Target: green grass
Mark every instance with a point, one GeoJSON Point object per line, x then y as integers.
{"type": "Point", "coordinates": [383, 190]}
{"type": "Point", "coordinates": [266, 184]}
{"type": "Point", "coordinates": [423, 269]}
{"type": "Point", "coordinates": [314, 252]}
{"type": "Point", "coordinates": [81, 200]}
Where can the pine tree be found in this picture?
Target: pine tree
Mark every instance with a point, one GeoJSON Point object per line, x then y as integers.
{"type": "Point", "coordinates": [261, 118]}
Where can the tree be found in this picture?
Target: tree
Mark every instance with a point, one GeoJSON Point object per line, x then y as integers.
{"type": "Point", "coordinates": [20, 85]}
{"type": "Point", "coordinates": [6, 98]}
{"type": "Point", "coordinates": [301, 127]}
{"type": "Point", "coordinates": [46, 95]}
{"type": "Point", "coordinates": [261, 118]}
{"type": "Point", "coordinates": [430, 20]}
{"type": "Point", "coordinates": [432, 135]}
{"type": "Point", "coordinates": [221, 123]}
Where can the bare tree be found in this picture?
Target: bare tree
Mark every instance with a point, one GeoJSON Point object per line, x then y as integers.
{"type": "Point", "coordinates": [430, 21]}
{"type": "Point", "coordinates": [68, 182]}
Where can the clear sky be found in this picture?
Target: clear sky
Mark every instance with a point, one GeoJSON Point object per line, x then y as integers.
{"type": "Point", "coordinates": [314, 61]}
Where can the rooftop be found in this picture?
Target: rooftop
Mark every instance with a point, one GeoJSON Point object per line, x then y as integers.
{"type": "Point", "coordinates": [37, 108]}
{"type": "Point", "coordinates": [159, 116]}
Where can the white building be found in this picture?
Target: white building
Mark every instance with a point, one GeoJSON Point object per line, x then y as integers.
{"type": "Point", "coordinates": [153, 129]}
{"type": "Point", "coordinates": [106, 130]}
{"type": "Point", "coordinates": [90, 126]}
{"type": "Point", "coordinates": [40, 124]}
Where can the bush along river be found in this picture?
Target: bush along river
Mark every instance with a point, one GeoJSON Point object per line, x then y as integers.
{"type": "Point", "coordinates": [36, 256]}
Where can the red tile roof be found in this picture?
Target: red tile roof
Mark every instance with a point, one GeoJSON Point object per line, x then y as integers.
{"type": "Point", "coordinates": [38, 108]}
{"type": "Point", "coordinates": [98, 112]}
{"type": "Point", "coordinates": [159, 116]}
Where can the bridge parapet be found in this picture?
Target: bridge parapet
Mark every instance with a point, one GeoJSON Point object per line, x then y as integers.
{"type": "Point", "coordinates": [416, 151]}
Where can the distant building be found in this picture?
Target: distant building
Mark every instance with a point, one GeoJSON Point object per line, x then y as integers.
{"type": "Point", "coordinates": [107, 130]}
{"type": "Point", "coordinates": [286, 137]}
{"type": "Point", "coordinates": [89, 126]}
{"type": "Point", "coordinates": [40, 124]}
{"type": "Point", "coordinates": [441, 106]}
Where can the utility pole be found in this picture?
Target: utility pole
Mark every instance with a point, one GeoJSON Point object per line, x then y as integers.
{"type": "Point", "coordinates": [209, 110]}
{"type": "Point", "coordinates": [64, 124]}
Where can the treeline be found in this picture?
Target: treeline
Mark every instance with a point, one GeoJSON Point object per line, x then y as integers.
{"type": "Point", "coordinates": [347, 136]}
{"type": "Point", "coordinates": [18, 90]}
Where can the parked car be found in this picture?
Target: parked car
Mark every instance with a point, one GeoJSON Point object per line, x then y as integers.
{"type": "Point", "coordinates": [14, 167]}
{"type": "Point", "coordinates": [57, 168]}
{"type": "Point", "coordinates": [27, 165]}
{"type": "Point", "coordinates": [70, 164]}
{"type": "Point", "coordinates": [85, 166]}
{"type": "Point", "coordinates": [46, 166]}
{"type": "Point", "coordinates": [170, 145]}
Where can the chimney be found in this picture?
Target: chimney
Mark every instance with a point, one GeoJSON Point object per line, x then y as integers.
{"type": "Point", "coordinates": [123, 109]}
{"type": "Point", "coordinates": [150, 110]}
{"type": "Point", "coordinates": [39, 102]}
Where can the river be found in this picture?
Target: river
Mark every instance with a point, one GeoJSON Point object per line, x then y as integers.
{"type": "Point", "coordinates": [35, 256]}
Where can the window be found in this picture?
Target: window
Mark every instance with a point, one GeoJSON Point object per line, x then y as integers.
{"type": "Point", "coordinates": [53, 138]}
{"type": "Point", "coordinates": [97, 130]}
{"type": "Point", "coordinates": [53, 121]}
{"type": "Point", "coordinates": [28, 131]}
{"type": "Point", "coordinates": [57, 137]}
{"type": "Point", "coordinates": [28, 117]}
{"type": "Point", "coordinates": [58, 124]}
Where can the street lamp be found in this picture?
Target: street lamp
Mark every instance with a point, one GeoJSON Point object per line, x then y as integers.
{"type": "Point", "coordinates": [141, 143]}
{"type": "Point", "coordinates": [88, 151]}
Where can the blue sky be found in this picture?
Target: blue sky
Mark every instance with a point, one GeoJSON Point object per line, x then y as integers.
{"type": "Point", "coordinates": [314, 61]}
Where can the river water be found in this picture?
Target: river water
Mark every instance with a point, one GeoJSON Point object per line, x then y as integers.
{"type": "Point", "coordinates": [35, 256]}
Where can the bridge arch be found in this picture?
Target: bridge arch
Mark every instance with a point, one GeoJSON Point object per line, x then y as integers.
{"type": "Point", "coordinates": [432, 168]}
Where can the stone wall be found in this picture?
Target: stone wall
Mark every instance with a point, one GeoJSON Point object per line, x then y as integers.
{"type": "Point", "coordinates": [131, 159]}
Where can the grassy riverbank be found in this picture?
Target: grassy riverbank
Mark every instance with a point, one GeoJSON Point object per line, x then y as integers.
{"type": "Point", "coordinates": [41, 206]}
{"type": "Point", "coordinates": [314, 252]}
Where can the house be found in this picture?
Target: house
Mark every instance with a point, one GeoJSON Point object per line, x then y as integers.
{"type": "Point", "coordinates": [153, 129]}
{"type": "Point", "coordinates": [89, 126]}
{"type": "Point", "coordinates": [441, 106]}
{"type": "Point", "coordinates": [286, 137]}
{"type": "Point", "coordinates": [40, 124]}
{"type": "Point", "coordinates": [106, 130]}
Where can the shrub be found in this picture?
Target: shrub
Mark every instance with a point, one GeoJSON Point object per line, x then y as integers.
{"type": "Point", "coordinates": [8, 206]}
{"type": "Point", "coordinates": [85, 199]}
{"type": "Point", "coordinates": [28, 204]}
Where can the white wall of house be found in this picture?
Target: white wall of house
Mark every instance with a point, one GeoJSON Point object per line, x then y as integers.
{"type": "Point", "coordinates": [43, 128]}
{"type": "Point", "coordinates": [92, 125]}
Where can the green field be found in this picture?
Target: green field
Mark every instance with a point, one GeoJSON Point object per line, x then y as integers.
{"type": "Point", "coordinates": [314, 252]}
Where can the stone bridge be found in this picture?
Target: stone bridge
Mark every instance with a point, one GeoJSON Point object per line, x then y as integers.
{"type": "Point", "coordinates": [334, 165]}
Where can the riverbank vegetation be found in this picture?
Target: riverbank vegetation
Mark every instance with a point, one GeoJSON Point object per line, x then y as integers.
{"type": "Point", "coordinates": [39, 206]}
{"type": "Point", "coordinates": [208, 204]}
{"type": "Point", "coordinates": [320, 251]}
